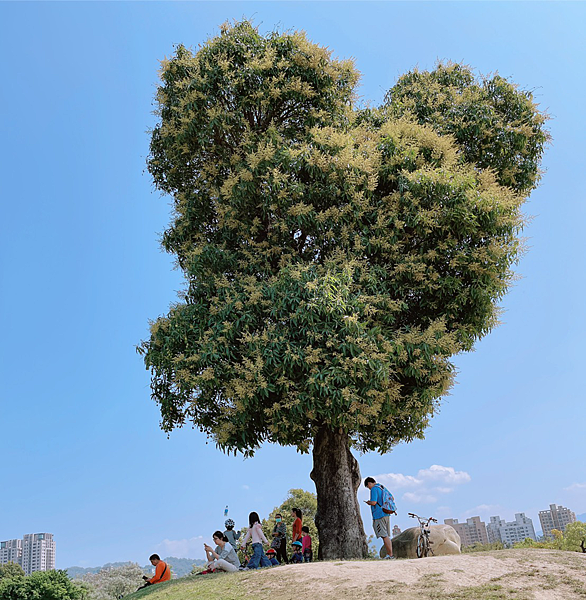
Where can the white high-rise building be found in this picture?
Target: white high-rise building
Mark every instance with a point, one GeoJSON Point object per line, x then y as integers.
{"type": "Point", "coordinates": [11, 552]}
{"type": "Point", "coordinates": [499, 530]}
{"type": "Point", "coordinates": [38, 552]}
{"type": "Point", "coordinates": [557, 517]}
{"type": "Point", "coordinates": [471, 532]}
{"type": "Point", "coordinates": [35, 552]}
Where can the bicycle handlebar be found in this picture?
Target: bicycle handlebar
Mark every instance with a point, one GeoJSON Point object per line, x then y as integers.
{"type": "Point", "coordinates": [422, 520]}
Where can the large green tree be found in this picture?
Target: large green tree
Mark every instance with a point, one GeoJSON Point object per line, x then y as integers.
{"type": "Point", "coordinates": [335, 258]}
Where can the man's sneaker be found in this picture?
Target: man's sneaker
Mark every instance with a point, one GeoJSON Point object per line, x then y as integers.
{"type": "Point", "coordinates": [387, 557]}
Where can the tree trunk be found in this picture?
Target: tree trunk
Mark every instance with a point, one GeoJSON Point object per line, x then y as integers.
{"type": "Point", "coordinates": [337, 478]}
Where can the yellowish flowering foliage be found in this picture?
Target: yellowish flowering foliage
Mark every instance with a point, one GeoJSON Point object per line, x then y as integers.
{"type": "Point", "coordinates": [335, 258]}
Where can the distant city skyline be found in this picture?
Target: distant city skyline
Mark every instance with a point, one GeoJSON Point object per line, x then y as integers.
{"type": "Point", "coordinates": [33, 552]}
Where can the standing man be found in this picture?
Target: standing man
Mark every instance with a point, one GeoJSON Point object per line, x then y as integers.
{"type": "Point", "coordinates": [381, 522]}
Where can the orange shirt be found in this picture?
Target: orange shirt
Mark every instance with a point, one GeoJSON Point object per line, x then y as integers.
{"type": "Point", "coordinates": [159, 573]}
{"type": "Point", "coordinates": [296, 532]}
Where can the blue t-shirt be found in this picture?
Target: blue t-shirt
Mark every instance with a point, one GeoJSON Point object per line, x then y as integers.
{"type": "Point", "coordinates": [376, 495]}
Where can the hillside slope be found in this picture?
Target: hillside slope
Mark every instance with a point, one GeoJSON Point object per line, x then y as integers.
{"type": "Point", "coordinates": [528, 574]}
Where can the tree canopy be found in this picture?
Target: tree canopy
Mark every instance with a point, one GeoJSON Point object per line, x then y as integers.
{"type": "Point", "coordinates": [40, 585]}
{"type": "Point", "coordinates": [336, 258]}
{"type": "Point", "coordinates": [113, 583]}
{"type": "Point", "coordinates": [11, 571]}
{"type": "Point", "coordinates": [575, 537]}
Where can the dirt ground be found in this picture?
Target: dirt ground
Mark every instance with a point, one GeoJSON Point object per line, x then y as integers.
{"type": "Point", "coordinates": [499, 575]}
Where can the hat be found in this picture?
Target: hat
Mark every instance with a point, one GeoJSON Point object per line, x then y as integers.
{"type": "Point", "coordinates": [297, 544]}
{"type": "Point", "coordinates": [271, 551]}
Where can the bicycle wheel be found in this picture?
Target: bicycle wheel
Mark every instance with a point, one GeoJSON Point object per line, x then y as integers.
{"type": "Point", "coordinates": [421, 547]}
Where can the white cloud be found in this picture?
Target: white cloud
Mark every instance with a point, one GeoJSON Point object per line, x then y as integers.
{"type": "Point", "coordinates": [419, 498]}
{"type": "Point", "coordinates": [575, 487]}
{"type": "Point", "coordinates": [436, 474]}
{"type": "Point", "coordinates": [398, 480]}
{"type": "Point", "coordinates": [443, 474]}
{"type": "Point", "coordinates": [427, 485]}
{"type": "Point", "coordinates": [186, 548]}
{"type": "Point", "coordinates": [245, 487]}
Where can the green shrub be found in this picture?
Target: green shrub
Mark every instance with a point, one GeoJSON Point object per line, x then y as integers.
{"type": "Point", "coordinates": [42, 585]}
{"type": "Point", "coordinates": [573, 539]}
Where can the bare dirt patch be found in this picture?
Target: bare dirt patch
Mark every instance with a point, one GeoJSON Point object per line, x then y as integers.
{"type": "Point", "coordinates": [502, 575]}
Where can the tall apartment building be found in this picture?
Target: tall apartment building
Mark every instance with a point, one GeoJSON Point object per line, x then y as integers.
{"type": "Point", "coordinates": [499, 530]}
{"type": "Point", "coordinates": [557, 517]}
{"type": "Point", "coordinates": [35, 552]}
{"type": "Point", "coordinates": [471, 532]}
{"type": "Point", "coordinates": [11, 552]}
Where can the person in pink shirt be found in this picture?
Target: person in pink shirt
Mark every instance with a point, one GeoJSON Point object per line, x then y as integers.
{"type": "Point", "coordinates": [306, 544]}
{"type": "Point", "coordinates": [255, 533]}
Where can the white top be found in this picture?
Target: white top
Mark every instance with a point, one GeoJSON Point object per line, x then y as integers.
{"type": "Point", "coordinates": [257, 535]}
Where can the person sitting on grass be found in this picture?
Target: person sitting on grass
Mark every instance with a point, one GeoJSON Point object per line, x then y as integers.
{"type": "Point", "coordinates": [297, 556]}
{"type": "Point", "coordinates": [224, 557]}
{"type": "Point", "coordinates": [306, 544]}
{"type": "Point", "coordinates": [271, 555]}
{"type": "Point", "coordinates": [162, 572]}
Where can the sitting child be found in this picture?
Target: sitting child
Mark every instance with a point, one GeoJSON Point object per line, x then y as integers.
{"type": "Point", "coordinates": [297, 556]}
{"type": "Point", "coordinates": [306, 544]}
{"type": "Point", "coordinates": [271, 555]}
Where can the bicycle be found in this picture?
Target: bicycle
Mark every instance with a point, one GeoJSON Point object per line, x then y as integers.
{"type": "Point", "coordinates": [423, 541]}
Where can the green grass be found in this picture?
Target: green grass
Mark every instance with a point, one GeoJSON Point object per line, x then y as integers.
{"type": "Point", "coordinates": [202, 587]}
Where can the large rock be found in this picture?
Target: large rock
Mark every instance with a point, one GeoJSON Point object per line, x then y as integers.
{"type": "Point", "coordinates": [444, 538]}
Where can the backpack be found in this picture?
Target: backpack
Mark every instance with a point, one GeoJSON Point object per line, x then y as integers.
{"type": "Point", "coordinates": [388, 502]}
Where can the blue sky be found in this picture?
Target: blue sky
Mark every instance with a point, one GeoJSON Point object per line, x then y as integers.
{"type": "Point", "coordinates": [82, 273]}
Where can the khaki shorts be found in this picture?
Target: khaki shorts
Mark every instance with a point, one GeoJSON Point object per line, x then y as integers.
{"type": "Point", "coordinates": [382, 527]}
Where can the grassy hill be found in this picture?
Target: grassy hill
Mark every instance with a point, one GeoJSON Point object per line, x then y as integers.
{"type": "Point", "coordinates": [527, 574]}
